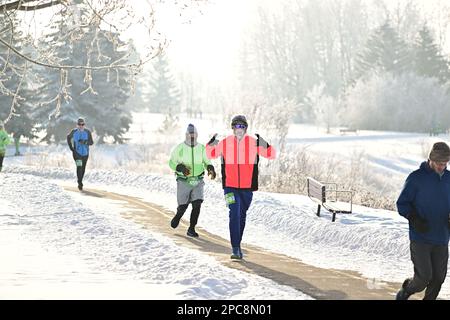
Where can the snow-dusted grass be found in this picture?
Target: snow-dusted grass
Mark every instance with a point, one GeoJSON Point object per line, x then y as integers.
{"type": "Point", "coordinates": [375, 164]}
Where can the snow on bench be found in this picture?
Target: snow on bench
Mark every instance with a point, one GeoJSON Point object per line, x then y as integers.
{"type": "Point", "coordinates": [326, 195]}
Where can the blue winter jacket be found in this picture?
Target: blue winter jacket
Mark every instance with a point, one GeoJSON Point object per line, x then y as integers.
{"type": "Point", "coordinates": [430, 194]}
{"type": "Point", "coordinates": [79, 141]}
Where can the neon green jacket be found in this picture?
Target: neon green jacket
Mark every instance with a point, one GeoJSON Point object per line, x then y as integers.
{"type": "Point", "coordinates": [194, 158]}
{"type": "Point", "coordinates": [4, 141]}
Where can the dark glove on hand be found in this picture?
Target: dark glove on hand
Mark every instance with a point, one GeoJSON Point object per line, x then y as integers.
{"type": "Point", "coordinates": [261, 142]}
{"type": "Point", "coordinates": [183, 169]}
{"type": "Point", "coordinates": [211, 171]}
{"type": "Point", "coordinates": [213, 141]}
{"type": "Point", "coordinates": [418, 223]}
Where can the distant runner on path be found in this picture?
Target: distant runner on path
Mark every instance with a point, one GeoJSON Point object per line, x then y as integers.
{"type": "Point", "coordinates": [79, 140]}
{"type": "Point", "coordinates": [4, 141]}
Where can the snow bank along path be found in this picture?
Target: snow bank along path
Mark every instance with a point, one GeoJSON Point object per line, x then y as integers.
{"type": "Point", "coordinates": [54, 246]}
{"type": "Point", "coordinates": [316, 282]}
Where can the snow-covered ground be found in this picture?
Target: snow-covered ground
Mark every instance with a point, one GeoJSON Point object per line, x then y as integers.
{"type": "Point", "coordinates": [373, 242]}
{"type": "Point", "coordinates": [60, 245]}
{"type": "Point", "coordinates": [105, 251]}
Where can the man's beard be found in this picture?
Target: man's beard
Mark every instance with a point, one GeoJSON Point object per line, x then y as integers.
{"type": "Point", "coordinates": [191, 141]}
{"type": "Point", "coordinates": [240, 134]}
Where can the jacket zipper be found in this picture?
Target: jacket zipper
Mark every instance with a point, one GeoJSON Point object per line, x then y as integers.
{"type": "Point", "coordinates": [193, 164]}
{"type": "Point", "coordinates": [239, 171]}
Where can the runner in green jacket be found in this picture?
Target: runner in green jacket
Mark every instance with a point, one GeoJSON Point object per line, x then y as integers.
{"type": "Point", "coordinates": [4, 141]}
{"type": "Point", "coordinates": [189, 162]}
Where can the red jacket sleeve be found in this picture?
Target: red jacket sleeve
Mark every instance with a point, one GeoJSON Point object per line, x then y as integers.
{"type": "Point", "coordinates": [213, 152]}
{"type": "Point", "coordinates": [268, 153]}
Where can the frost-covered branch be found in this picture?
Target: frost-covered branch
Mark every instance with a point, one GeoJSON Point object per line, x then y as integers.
{"type": "Point", "coordinates": [21, 5]}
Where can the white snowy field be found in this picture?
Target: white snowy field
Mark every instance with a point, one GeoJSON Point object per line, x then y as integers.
{"type": "Point", "coordinates": [90, 235]}
{"type": "Point", "coordinates": [386, 156]}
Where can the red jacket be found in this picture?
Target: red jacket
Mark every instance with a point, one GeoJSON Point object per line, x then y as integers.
{"type": "Point", "coordinates": [239, 161]}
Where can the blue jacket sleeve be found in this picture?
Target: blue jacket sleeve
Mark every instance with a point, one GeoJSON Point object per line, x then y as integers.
{"type": "Point", "coordinates": [69, 140]}
{"type": "Point", "coordinates": [405, 202]}
{"type": "Point", "coordinates": [90, 140]}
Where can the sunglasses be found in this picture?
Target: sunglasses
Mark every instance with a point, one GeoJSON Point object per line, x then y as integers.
{"type": "Point", "coordinates": [81, 124]}
{"type": "Point", "coordinates": [239, 126]}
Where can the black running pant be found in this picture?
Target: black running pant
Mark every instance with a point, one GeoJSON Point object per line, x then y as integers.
{"type": "Point", "coordinates": [80, 169]}
{"type": "Point", "coordinates": [196, 206]}
{"type": "Point", "coordinates": [430, 269]}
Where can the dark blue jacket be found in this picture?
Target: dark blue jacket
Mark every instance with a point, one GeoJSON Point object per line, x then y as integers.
{"type": "Point", "coordinates": [79, 141]}
{"type": "Point", "coordinates": [430, 194]}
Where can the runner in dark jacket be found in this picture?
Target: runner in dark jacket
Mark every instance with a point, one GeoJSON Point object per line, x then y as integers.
{"type": "Point", "coordinates": [425, 202]}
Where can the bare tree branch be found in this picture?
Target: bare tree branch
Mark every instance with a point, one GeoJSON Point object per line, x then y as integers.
{"type": "Point", "coordinates": [29, 39]}
{"type": "Point", "coordinates": [56, 66]}
{"type": "Point", "coordinates": [19, 5]}
{"type": "Point", "coordinates": [16, 97]}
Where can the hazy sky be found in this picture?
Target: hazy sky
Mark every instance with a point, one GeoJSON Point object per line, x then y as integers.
{"type": "Point", "coordinates": [210, 43]}
{"type": "Point", "coordinates": [206, 42]}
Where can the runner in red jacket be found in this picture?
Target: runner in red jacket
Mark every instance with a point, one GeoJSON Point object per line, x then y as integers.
{"type": "Point", "coordinates": [240, 157]}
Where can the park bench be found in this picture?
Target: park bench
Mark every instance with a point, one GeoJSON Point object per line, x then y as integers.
{"type": "Point", "coordinates": [348, 130]}
{"type": "Point", "coordinates": [328, 196]}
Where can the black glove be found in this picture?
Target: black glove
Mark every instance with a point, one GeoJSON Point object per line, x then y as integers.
{"type": "Point", "coordinates": [213, 141]}
{"type": "Point", "coordinates": [183, 169]}
{"type": "Point", "coordinates": [418, 223]}
{"type": "Point", "coordinates": [448, 221]}
{"type": "Point", "coordinates": [261, 142]}
{"type": "Point", "coordinates": [211, 171]}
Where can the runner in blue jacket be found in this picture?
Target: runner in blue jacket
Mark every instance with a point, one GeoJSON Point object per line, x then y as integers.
{"type": "Point", "coordinates": [425, 202]}
{"type": "Point", "coordinates": [79, 140]}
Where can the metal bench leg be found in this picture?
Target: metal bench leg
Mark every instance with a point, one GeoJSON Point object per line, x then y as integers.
{"type": "Point", "coordinates": [334, 217]}
{"type": "Point", "coordinates": [318, 210]}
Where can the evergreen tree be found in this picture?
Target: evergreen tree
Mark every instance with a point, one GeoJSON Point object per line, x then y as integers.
{"type": "Point", "coordinates": [99, 95]}
{"type": "Point", "coordinates": [16, 90]}
{"type": "Point", "coordinates": [428, 62]}
{"type": "Point", "coordinates": [384, 52]}
{"type": "Point", "coordinates": [139, 100]}
{"type": "Point", "coordinates": [165, 95]}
